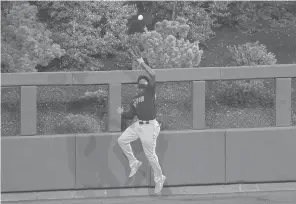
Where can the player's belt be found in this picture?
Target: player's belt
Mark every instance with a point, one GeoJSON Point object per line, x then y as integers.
{"type": "Point", "coordinates": [141, 122]}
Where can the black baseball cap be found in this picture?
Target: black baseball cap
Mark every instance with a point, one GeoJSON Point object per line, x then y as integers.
{"type": "Point", "coordinates": [143, 77]}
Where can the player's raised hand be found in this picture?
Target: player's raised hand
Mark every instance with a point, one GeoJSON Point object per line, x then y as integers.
{"type": "Point", "coordinates": [131, 54]}
{"type": "Point", "coordinates": [135, 53]}
{"type": "Point", "coordinates": [140, 60]}
{"type": "Point", "coordinates": [119, 110]}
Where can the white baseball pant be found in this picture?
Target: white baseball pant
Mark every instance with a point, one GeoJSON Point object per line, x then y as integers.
{"type": "Point", "coordinates": [148, 134]}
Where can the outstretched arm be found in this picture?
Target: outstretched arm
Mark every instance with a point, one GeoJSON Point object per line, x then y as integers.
{"type": "Point", "coordinates": [148, 69]}
{"type": "Point", "coordinates": [136, 54]}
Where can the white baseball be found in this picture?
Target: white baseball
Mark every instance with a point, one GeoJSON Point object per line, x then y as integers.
{"type": "Point", "coordinates": [140, 17]}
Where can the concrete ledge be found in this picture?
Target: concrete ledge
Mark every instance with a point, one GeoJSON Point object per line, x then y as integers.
{"type": "Point", "coordinates": [128, 76]}
{"type": "Point", "coordinates": [134, 192]}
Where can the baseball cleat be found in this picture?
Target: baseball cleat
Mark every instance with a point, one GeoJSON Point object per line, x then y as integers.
{"type": "Point", "coordinates": [159, 185]}
{"type": "Point", "coordinates": [135, 168]}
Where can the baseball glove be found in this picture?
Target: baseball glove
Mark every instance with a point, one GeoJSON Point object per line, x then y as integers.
{"type": "Point", "coordinates": [134, 53]}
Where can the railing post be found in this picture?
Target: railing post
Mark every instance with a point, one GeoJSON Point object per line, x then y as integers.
{"type": "Point", "coordinates": [283, 102]}
{"type": "Point", "coordinates": [28, 110]}
{"type": "Point", "coordinates": [198, 104]}
{"type": "Point", "coordinates": [114, 101]}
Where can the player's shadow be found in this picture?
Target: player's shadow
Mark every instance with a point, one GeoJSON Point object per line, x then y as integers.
{"type": "Point", "coordinates": [91, 146]}
{"type": "Point", "coordinates": [161, 148]}
{"type": "Point", "coordinates": [140, 176]}
{"type": "Point", "coordinates": [97, 152]}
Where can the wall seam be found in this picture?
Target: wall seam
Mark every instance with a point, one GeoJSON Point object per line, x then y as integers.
{"type": "Point", "coordinates": [75, 161]}
{"type": "Point", "coordinates": [225, 159]}
{"type": "Point", "coordinates": [75, 142]}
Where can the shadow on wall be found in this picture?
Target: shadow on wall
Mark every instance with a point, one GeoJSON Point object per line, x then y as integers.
{"type": "Point", "coordinates": [141, 174]}
{"type": "Point", "coordinates": [92, 162]}
{"type": "Point", "coordinates": [164, 145]}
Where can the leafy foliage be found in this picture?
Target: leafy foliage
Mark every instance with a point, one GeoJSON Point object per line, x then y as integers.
{"type": "Point", "coordinates": [249, 15]}
{"type": "Point", "coordinates": [202, 16]}
{"type": "Point", "coordinates": [26, 42]}
{"type": "Point", "coordinates": [89, 31]}
{"type": "Point", "coordinates": [251, 54]}
{"type": "Point", "coordinates": [166, 47]}
{"type": "Point", "coordinates": [78, 124]}
{"type": "Point", "coordinates": [98, 98]}
{"type": "Point", "coordinates": [247, 91]}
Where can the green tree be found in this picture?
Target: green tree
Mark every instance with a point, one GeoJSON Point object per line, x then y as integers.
{"type": "Point", "coordinates": [167, 47]}
{"type": "Point", "coordinates": [251, 54]}
{"type": "Point", "coordinates": [26, 42]}
{"type": "Point", "coordinates": [89, 31]}
{"type": "Point", "coordinates": [242, 92]}
{"type": "Point", "coordinates": [201, 16]}
{"type": "Point", "coordinates": [248, 16]}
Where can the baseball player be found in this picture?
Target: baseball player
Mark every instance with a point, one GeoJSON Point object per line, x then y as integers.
{"type": "Point", "coordinates": [146, 127]}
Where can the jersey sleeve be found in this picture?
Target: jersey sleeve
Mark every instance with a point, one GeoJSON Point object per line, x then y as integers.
{"type": "Point", "coordinates": [152, 83]}
{"type": "Point", "coordinates": [129, 115]}
{"type": "Point", "coordinates": [151, 75]}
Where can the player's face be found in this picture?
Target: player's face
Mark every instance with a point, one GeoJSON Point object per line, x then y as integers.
{"type": "Point", "coordinates": [142, 84]}
{"type": "Point", "coordinates": [143, 81]}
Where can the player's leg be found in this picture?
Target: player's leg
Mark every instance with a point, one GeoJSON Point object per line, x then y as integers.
{"type": "Point", "coordinates": [148, 136]}
{"type": "Point", "coordinates": [124, 141]}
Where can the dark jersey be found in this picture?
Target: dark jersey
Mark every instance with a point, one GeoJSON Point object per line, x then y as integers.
{"type": "Point", "coordinates": [143, 105]}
